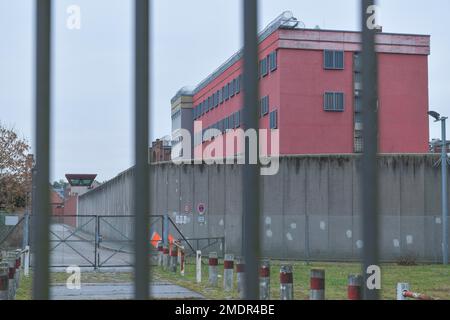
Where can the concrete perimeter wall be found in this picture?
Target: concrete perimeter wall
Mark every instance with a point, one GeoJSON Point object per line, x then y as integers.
{"type": "Point", "coordinates": [310, 210]}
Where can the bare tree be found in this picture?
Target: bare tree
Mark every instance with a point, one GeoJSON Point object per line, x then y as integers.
{"type": "Point", "coordinates": [15, 170]}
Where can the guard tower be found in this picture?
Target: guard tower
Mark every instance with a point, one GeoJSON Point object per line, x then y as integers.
{"type": "Point", "coordinates": [78, 185]}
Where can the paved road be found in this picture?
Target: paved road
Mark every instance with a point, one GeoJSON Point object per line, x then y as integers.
{"type": "Point", "coordinates": [121, 291]}
{"type": "Point", "coordinates": [79, 249]}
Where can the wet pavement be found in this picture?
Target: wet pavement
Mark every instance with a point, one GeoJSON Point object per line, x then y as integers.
{"type": "Point", "coordinates": [120, 291]}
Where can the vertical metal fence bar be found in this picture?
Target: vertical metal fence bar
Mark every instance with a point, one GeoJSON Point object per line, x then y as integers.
{"type": "Point", "coordinates": [41, 214]}
{"type": "Point", "coordinates": [250, 226]}
{"type": "Point", "coordinates": [141, 170]}
{"type": "Point", "coordinates": [369, 158]}
{"type": "Point", "coordinates": [444, 192]}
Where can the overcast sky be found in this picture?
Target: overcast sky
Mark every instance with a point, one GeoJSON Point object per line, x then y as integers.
{"type": "Point", "coordinates": [92, 67]}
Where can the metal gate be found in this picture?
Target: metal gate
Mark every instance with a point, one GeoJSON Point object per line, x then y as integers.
{"type": "Point", "coordinates": [100, 241]}
{"type": "Point", "coordinates": [90, 241]}
{"type": "Point", "coordinates": [73, 241]}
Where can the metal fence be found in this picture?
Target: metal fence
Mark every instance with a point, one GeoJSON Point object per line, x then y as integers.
{"type": "Point", "coordinates": [250, 244]}
{"type": "Point", "coordinates": [12, 236]}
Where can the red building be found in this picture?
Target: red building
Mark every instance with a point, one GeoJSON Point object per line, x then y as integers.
{"type": "Point", "coordinates": [56, 203]}
{"type": "Point", "coordinates": [66, 208]}
{"type": "Point", "coordinates": [160, 150]}
{"type": "Point", "coordinates": [310, 88]}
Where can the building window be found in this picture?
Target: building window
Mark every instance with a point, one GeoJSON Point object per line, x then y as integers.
{"type": "Point", "coordinates": [273, 61]}
{"type": "Point", "coordinates": [274, 119]}
{"type": "Point", "coordinates": [220, 96]}
{"type": "Point", "coordinates": [264, 106]}
{"type": "Point", "coordinates": [238, 84]}
{"type": "Point", "coordinates": [226, 92]}
{"type": "Point", "coordinates": [263, 68]}
{"type": "Point", "coordinates": [237, 119]}
{"type": "Point", "coordinates": [231, 122]}
{"type": "Point", "coordinates": [232, 88]}
{"type": "Point", "coordinates": [333, 59]}
{"type": "Point", "coordinates": [333, 101]}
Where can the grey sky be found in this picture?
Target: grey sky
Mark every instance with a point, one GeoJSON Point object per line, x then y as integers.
{"type": "Point", "coordinates": [92, 97]}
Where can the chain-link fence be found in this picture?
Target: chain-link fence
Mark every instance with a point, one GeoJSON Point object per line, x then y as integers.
{"type": "Point", "coordinates": [12, 231]}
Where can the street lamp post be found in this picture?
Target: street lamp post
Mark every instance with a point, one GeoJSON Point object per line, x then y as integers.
{"type": "Point", "coordinates": [437, 118]}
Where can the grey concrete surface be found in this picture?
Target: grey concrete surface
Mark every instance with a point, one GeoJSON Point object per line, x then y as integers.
{"type": "Point", "coordinates": [310, 209]}
{"type": "Point", "coordinates": [120, 291]}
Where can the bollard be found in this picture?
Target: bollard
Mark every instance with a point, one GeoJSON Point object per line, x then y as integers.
{"type": "Point", "coordinates": [286, 283]}
{"type": "Point", "coordinates": [403, 292]}
{"type": "Point", "coordinates": [160, 253]}
{"type": "Point", "coordinates": [4, 283]}
{"type": "Point", "coordinates": [317, 284]}
{"type": "Point", "coordinates": [17, 265]}
{"type": "Point", "coordinates": [264, 280]}
{"type": "Point", "coordinates": [400, 288]}
{"type": "Point", "coordinates": [354, 287]}
{"type": "Point", "coordinates": [173, 258]}
{"type": "Point", "coordinates": [198, 266]}
{"type": "Point", "coordinates": [228, 265]}
{"type": "Point", "coordinates": [165, 257]}
{"type": "Point", "coordinates": [416, 295]}
{"type": "Point", "coordinates": [11, 280]}
{"type": "Point", "coordinates": [213, 261]}
{"type": "Point", "coordinates": [240, 277]}
{"type": "Point", "coordinates": [181, 256]}
{"type": "Point", "coordinates": [26, 267]}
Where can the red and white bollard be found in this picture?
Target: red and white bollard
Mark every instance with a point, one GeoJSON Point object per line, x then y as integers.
{"type": "Point", "coordinates": [317, 285]}
{"type": "Point", "coordinates": [286, 283]}
{"type": "Point", "coordinates": [4, 294]}
{"type": "Point", "coordinates": [11, 280]}
{"type": "Point", "coordinates": [182, 261]}
{"type": "Point", "coordinates": [264, 280]}
{"type": "Point", "coordinates": [228, 267]}
{"type": "Point", "coordinates": [166, 259]}
{"type": "Point", "coordinates": [213, 262]}
{"type": "Point", "coordinates": [17, 266]}
{"type": "Point", "coordinates": [403, 292]}
{"type": "Point", "coordinates": [354, 291]}
{"type": "Point", "coordinates": [160, 253]}
{"type": "Point", "coordinates": [173, 258]}
{"type": "Point", "coordinates": [240, 277]}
